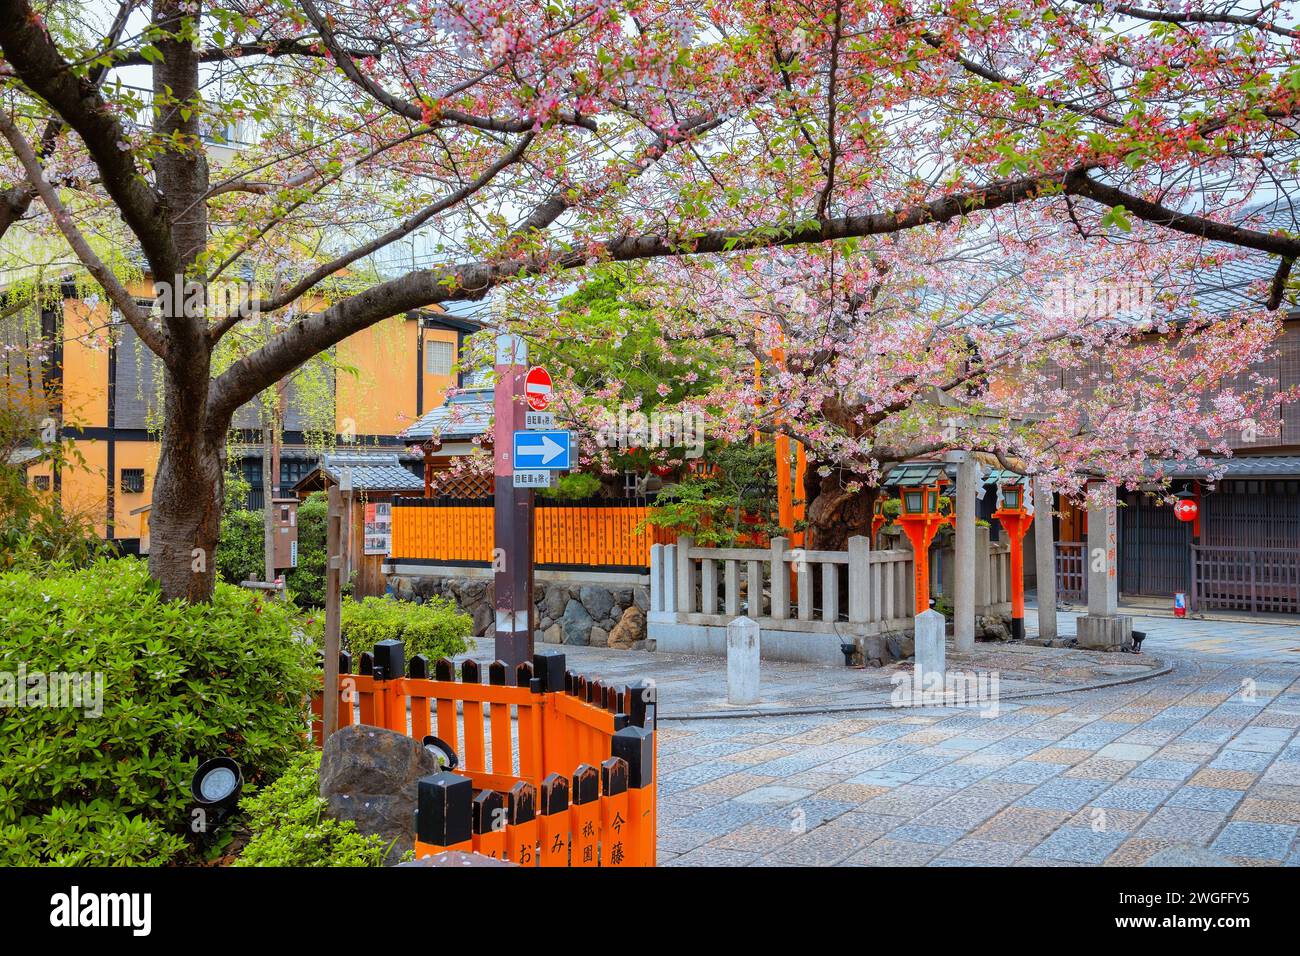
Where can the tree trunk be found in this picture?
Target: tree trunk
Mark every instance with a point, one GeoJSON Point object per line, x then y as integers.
{"type": "Point", "coordinates": [834, 513]}
{"type": "Point", "coordinates": [188, 491]}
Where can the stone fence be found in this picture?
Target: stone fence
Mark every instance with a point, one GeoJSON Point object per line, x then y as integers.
{"type": "Point", "coordinates": [809, 604]}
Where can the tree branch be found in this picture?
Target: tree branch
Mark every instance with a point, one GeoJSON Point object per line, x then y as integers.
{"type": "Point", "coordinates": [32, 54]}
{"type": "Point", "coordinates": [126, 304]}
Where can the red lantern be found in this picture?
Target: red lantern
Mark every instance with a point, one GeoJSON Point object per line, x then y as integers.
{"type": "Point", "coordinates": [1186, 509]}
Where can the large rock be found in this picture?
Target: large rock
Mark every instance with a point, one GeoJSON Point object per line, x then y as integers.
{"type": "Point", "coordinates": [484, 618]}
{"type": "Point", "coordinates": [629, 629]}
{"type": "Point", "coordinates": [368, 775]}
{"type": "Point", "coordinates": [641, 598]}
{"type": "Point", "coordinates": [575, 623]}
{"type": "Point", "coordinates": [553, 634]}
{"type": "Point", "coordinates": [557, 596]}
{"type": "Point", "coordinates": [599, 637]}
{"type": "Point", "coordinates": [597, 600]}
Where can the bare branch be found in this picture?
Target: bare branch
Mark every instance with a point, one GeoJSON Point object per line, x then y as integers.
{"type": "Point", "coordinates": [126, 304]}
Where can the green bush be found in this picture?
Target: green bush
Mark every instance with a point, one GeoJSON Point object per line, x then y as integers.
{"type": "Point", "coordinates": [436, 628]}
{"type": "Point", "coordinates": [290, 829]}
{"type": "Point", "coordinates": [575, 487]}
{"type": "Point", "coordinates": [181, 683]}
{"type": "Point", "coordinates": [241, 550]}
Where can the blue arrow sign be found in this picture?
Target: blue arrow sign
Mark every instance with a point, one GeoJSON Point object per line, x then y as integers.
{"type": "Point", "coordinates": [542, 449]}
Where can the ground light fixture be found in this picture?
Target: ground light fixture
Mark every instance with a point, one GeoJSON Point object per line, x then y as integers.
{"type": "Point", "coordinates": [215, 788]}
{"type": "Point", "coordinates": [442, 752]}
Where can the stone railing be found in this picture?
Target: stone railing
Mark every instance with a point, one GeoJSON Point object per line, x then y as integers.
{"type": "Point", "coordinates": [807, 603]}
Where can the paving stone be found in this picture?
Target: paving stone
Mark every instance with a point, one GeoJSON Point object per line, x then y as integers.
{"type": "Point", "coordinates": [1079, 845]}
{"type": "Point", "coordinates": [1136, 851]}
{"type": "Point", "coordinates": [823, 846]}
{"type": "Point", "coordinates": [1181, 824]}
{"type": "Point", "coordinates": [1268, 841]}
{"type": "Point", "coordinates": [712, 856]}
{"type": "Point", "coordinates": [1205, 798]}
{"type": "Point", "coordinates": [774, 795]}
{"type": "Point", "coordinates": [1062, 794]}
{"type": "Point", "coordinates": [1109, 819]}
{"type": "Point", "coordinates": [1124, 797]}
{"type": "Point", "coordinates": [888, 852]}
{"type": "Point", "coordinates": [1123, 751]}
{"type": "Point", "coordinates": [1241, 760]}
{"type": "Point", "coordinates": [1020, 825]}
{"type": "Point", "coordinates": [1165, 769]}
{"type": "Point", "coordinates": [1268, 811]}
{"type": "Point", "coordinates": [1028, 771]}
{"type": "Point", "coordinates": [1230, 779]}
{"type": "Point", "coordinates": [986, 852]}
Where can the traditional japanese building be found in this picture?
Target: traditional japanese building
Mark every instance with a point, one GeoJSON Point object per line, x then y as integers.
{"type": "Point", "coordinates": [391, 374]}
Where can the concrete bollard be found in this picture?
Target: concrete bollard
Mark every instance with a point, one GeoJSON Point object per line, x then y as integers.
{"type": "Point", "coordinates": [929, 649]}
{"type": "Point", "coordinates": [742, 661]}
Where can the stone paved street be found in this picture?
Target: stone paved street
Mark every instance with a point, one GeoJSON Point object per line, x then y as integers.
{"type": "Point", "coordinates": [1205, 756]}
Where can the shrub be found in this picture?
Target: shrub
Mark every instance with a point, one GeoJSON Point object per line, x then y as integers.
{"type": "Point", "coordinates": [290, 829]}
{"type": "Point", "coordinates": [575, 487]}
{"type": "Point", "coordinates": [241, 550]}
{"type": "Point", "coordinates": [181, 682]}
{"type": "Point", "coordinates": [436, 628]}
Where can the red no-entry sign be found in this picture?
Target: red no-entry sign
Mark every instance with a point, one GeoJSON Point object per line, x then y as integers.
{"type": "Point", "coordinates": [537, 388]}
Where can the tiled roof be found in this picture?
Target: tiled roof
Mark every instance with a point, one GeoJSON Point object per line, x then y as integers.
{"type": "Point", "coordinates": [1246, 466]}
{"type": "Point", "coordinates": [1227, 287]}
{"type": "Point", "coordinates": [369, 472]}
{"type": "Point", "coordinates": [465, 415]}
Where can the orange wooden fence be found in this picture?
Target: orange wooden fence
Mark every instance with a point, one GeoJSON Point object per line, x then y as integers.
{"type": "Point", "coordinates": [545, 731]}
{"type": "Point", "coordinates": [589, 535]}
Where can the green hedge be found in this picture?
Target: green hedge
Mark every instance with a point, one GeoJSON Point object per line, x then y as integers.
{"type": "Point", "coordinates": [289, 827]}
{"type": "Point", "coordinates": [436, 628]}
{"type": "Point", "coordinates": [181, 682]}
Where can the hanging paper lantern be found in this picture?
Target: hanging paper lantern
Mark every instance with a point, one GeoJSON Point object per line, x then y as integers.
{"type": "Point", "coordinates": [1186, 509]}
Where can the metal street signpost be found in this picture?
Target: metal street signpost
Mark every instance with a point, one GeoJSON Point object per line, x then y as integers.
{"type": "Point", "coordinates": [512, 510]}
{"type": "Point", "coordinates": [542, 449]}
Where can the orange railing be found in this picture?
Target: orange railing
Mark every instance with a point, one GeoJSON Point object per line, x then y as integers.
{"type": "Point", "coordinates": [567, 534]}
{"type": "Point", "coordinates": [539, 730]}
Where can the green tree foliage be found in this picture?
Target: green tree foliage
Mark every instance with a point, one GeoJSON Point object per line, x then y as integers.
{"type": "Point", "coordinates": [735, 498]}
{"type": "Point", "coordinates": [80, 786]}
{"type": "Point", "coordinates": [289, 826]}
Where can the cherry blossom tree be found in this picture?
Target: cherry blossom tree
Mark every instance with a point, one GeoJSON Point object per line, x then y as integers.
{"type": "Point", "coordinates": [406, 154]}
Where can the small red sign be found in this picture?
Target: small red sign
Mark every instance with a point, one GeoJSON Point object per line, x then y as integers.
{"type": "Point", "coordinates": [537, 388]}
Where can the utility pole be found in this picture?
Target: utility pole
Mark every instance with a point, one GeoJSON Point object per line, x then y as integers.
{"type": "Point", "coordinates": [512, 537]}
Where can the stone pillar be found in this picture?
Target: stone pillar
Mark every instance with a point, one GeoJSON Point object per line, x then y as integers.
{"type": "Point", "coordinates": [1103, 627]}
{"type": "Point", "coordinates": [859, 579]}
{"type": "Point", "coordinates": [742, 661]}
{"type": "Point", "coordinates": [929, 650]}
{"type": "Point", "coordinates": [963, 598]}
{"type": "Point", "coordinates": [1045, 561]}
{"type": "Point", "coordinates": [983, 592]}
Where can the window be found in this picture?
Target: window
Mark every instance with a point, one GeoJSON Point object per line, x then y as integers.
{"type": "Point", "coordinates": [41, 482]}
{"type": "Point", "coordinates": [132, 480]}
{"type": "Point", "coordinates": [438, 357]}
{"type": "Point", "coordinates": [294, 470]}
